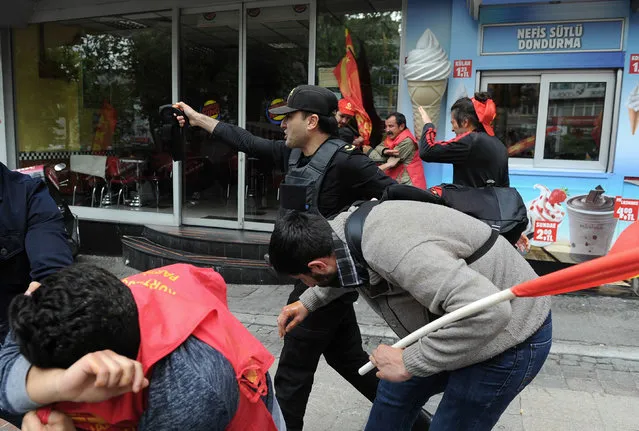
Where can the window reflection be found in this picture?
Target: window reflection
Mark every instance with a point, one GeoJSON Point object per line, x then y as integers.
{"type": "Point", "coordinates": [87, 94]}
{"type": "Point", "coordinates": [575, 113]}
{"type": "Point", "coordinates": [516, 121]}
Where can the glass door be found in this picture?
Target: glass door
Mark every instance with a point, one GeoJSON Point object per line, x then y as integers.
{"type": "Point", "coordinates": [277, 60]}
{"type": "Point", "coordinates": [210, 52]}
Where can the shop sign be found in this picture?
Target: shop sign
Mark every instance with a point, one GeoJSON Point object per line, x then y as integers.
{"type": "Point", "coordinates": [626, 209]}
{"type": "Point", "coordinates": [634, 63]}
{"type": "Point", "coordinates": [552, 37]}
{"type": "Point", "coordinates": [462, 68]}
{"type": "Point", "coordinates": [545, 231]}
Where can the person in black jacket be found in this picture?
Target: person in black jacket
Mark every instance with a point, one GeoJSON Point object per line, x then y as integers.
{"type": "Point", "coordinates": [476, 154]}
{"type": "Point", "coordinates": [310, 123]}
{"type": "Point", "coordinates": [33, 241]}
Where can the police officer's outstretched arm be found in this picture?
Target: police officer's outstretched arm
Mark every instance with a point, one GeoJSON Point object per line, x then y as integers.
{"type": "Point", "coordinates": [46, 239]}
{"type": "Point", "coordinates": [361, 176]}
{"type": "Point", "coordinates": [274, 151]}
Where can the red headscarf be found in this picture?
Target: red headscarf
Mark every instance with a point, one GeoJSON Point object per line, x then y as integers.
{"type": "Point", "coordinates": [486, 112]}
{"type": "Point", "coordinates": [346, 107]}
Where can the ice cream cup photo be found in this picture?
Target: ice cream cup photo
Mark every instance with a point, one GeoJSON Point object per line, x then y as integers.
{"type": "Point", "coordinates": [633, 109]}
{"type": "Point", "coordinates": [592, 225]}
{"type": "Point", "coordinates": [547, 207]}
{"type": "Point", "coordinates": [426, 71]}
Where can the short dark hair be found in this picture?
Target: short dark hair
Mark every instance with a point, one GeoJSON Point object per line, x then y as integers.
{"type": "Point", "coordinates": [297, 239]}
{"type": "Point", "coordinates": [326, 124]}
{"type": "Point", "coordinates": [463, 109]}
{"type": "Point", "coordinates": [76, 311]}
{"type": "Point", "coordinates": [399, 117]}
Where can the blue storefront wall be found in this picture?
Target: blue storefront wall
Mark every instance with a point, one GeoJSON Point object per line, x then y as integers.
{"type": "Point", "coordinates": [609, 36]}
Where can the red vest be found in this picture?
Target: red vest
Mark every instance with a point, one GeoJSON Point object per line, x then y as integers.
{"type": "Point", "coordinates": [415, 167]}
{"type": "Point", "coordinates": [175, 302]}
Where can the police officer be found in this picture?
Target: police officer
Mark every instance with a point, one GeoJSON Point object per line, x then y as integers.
{"type": "Point", "coordinates": [33, 242]}
{"type": "Point", "coordinates": [330, 175]}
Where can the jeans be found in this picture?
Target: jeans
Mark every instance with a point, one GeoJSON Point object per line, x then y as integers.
{"type": "Point", "coordinates": [474, 397]}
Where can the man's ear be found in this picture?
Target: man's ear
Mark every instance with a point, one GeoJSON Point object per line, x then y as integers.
{"type": "Point", "coordinates": [319, 265]}
{"type": "Point", "coordinates": [313, 122]}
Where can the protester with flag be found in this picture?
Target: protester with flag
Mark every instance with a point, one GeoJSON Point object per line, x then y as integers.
{"type": "Point", "coordinates": [399, 153]}
{"type": "Point", "coordinates": [349, 84]}
{"type": "Point", "coordinates": [413, 276]}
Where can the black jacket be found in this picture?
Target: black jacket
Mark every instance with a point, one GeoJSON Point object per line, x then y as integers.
{"type": "Point", "coordinates": [350, 177]}
{"type": "Point", "coordinates": [33, 242]}
{"type": "Point", "coordinates": [476, 157]}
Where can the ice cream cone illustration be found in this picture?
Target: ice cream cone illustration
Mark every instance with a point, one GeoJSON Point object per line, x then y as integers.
{"type": "Point", "coordinates": [426, 71]}
{"type": "Point", "coordinates": [633, 109]}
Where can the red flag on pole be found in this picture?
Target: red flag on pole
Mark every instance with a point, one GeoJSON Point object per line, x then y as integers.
{"type": "Point", "coordinates": [620, 263]}
{"type": "Point", "coordinates": [348, 80]}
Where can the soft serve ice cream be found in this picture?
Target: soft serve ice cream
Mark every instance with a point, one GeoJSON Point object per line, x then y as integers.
{"type": "Point", "coordinates": [547, 207]}
{"type": "Point", "coordinates": [427, 69]}
{"type": "Point", "coordinates": [633, 109]}
{"type": "Point", "coordinates": [428, 61]}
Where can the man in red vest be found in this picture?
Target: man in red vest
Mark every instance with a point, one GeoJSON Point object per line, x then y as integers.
{"type": "Point", "coordinates": [399, 153]}
{"type": "Point", "coordinates": [83, 328]}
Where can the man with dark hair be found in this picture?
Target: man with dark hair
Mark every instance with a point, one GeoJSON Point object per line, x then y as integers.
{"type": "Point", "coordinates": [206, 371]}
{"type": "Point", "coordinates": [477, 155]}
{"type": "Point", "coordinates": [399, 153]}
{"type": "Point", "coordinates": [329, 175]}
{"type": "Point", "coordinates": [411, 276]}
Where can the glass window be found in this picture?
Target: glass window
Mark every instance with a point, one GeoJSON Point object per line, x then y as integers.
{"type": "Point", "coordinates": [516, 121]}
{"type": "Point", "coordinates": [376, 33]}
{"type": "Point", "coordinates": [560, 120]}
{"type": "Point", "coordinates": [87, 94]}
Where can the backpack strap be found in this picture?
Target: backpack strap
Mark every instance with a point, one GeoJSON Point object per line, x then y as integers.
{"type": "Point", "coordinates": [354, 228]}
{"type": "Point", "coordinates": [494, 234]}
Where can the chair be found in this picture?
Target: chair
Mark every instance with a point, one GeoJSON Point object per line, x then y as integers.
{"type": "Point", "coordinates": [93, 166]}
{"type": "Point", "coordinates": [117, 175]}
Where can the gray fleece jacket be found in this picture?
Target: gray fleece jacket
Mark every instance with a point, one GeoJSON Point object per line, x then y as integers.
{"type": "Point", "coordinates": [416, 254]}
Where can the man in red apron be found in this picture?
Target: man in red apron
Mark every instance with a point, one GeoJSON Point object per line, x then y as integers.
{"type": "Point", "coordinates": [399, 153]}
{"type": "Point", "coordinates": [205, 370]}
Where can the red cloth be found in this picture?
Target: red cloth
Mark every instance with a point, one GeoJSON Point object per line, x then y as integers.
{"type": "Point", "coordinates": [415, 168]}
{"type": "Point", "coordinates": [345, 106]}
{"type": "Point", "coordinates": [175, 302]}
{"type": "Point", "coordinates": [486, 112]}
{"type": "Point", "coordinates": [348, 79]}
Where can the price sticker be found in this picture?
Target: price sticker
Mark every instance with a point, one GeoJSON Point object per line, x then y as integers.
{"type": "Point", "coordinates": [626, 209]}
{"type": "Point", "coordinates": [634, 64]}
{"type": "Point", "coordinates": [462, 68]}
{"type": "Point", "coordinates": [545, 231]}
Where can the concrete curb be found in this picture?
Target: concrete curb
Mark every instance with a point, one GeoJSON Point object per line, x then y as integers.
{"type": "Point", "coordinates": [559, 347]}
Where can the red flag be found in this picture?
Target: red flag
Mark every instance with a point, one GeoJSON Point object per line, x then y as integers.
{"type": "Point", "coordinates": [348, 80]}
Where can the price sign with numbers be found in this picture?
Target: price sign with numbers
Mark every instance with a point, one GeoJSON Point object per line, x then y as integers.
{"type": "Point", "coordinates": [634, 63]}
{"type": "Point", "coordinates": [626, 209]}
{"type": "Point", "coordinates": [545, 231]}
{"type": "Point", "coordinates": [463, 68]}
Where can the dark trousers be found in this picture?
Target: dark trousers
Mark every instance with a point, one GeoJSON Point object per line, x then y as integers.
{"type": "Point", "coordinates": [331, 331]}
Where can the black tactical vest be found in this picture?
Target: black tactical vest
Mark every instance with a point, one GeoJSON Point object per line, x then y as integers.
{"type": "Point", "coordinates": [302, 185]}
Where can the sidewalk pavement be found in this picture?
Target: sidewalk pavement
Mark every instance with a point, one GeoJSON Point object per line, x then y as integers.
{"type": "Point", "coordinates": [589, 382]}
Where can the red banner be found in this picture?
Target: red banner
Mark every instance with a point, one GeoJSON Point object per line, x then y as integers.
{"type": "Point", "coordinates": [348, 80]}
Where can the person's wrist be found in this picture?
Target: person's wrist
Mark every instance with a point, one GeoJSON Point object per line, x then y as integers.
{"type": "Point", "coordinates": [43, 386]}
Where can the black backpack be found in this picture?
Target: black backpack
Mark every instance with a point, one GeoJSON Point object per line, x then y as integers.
{"type": "Point", "coordinates": [502, 208]}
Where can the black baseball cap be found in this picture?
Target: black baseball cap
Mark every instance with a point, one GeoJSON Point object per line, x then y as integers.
{"type": "Point", "coordinates": [309, 98]}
